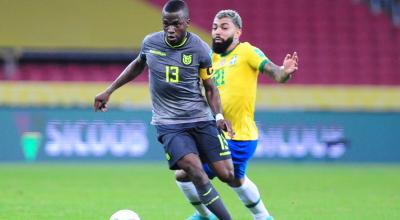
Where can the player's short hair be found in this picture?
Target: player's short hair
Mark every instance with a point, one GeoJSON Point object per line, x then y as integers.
{"type": "Point", "coordinates": [177, 5]}
{"type": "Point", "coordinates": [232, 14]}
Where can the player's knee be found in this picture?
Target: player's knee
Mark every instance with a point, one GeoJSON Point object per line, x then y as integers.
{"type": "Point", "coordinates": [193, 171]}
{"type": "Point", "coordinates": [236, 182]}
{"type": "Point", "coordinates": [227, 176]}
{"type": "Point", "coordinates": [181, 176]}
{"type": "Point", "coordinates": [197, 175]}
{"type": "Point", "coordinates": [189, 163]}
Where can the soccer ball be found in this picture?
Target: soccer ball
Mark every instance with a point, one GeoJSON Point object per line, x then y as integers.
{"type": "Point", "coordinates": [125, 214]}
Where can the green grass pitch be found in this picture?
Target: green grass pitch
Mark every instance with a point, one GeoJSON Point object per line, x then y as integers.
{"type": "Point", "coordinates": [87, 191]}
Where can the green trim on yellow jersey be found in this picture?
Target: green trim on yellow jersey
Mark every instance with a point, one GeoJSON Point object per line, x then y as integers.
{"type": "Point", "coordinates": [262, 64]}
{"type": "Point", "coordinates": [227, 53]}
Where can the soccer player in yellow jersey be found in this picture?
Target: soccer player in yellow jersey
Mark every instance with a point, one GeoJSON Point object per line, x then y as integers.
{"type": "Point", "coordinates": [236, 66]}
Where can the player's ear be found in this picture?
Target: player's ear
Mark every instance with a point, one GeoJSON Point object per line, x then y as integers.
{"type": "Point", "coordinates": [238, 33]}
{"type": "Point", "coordinates": [188, 22]}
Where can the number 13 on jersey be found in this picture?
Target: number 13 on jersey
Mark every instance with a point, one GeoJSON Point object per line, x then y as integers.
{"type": "Point", "coordinates": [172, 74]}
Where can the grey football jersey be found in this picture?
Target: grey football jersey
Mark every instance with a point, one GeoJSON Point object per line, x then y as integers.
{"type": "Point", "coordinates": [174, 79]}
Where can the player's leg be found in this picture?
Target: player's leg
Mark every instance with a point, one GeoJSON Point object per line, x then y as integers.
{"type": "Point", "coordinates": [243, 186]}
{"type": "Point", "coordinates": [247, 191]}
{"type": "Point", "coordinates": [214, 147]}
{"type": "Point", "coordinates": [223, 170]}
{"type": "Point", "coordinates": [182, 153]}
{"type": "Point", "coordinates": [189, 191]}
{"type": "Point", "coordinates": [209, 146]}
{"type": "Point", "coordinates": [208, 195]}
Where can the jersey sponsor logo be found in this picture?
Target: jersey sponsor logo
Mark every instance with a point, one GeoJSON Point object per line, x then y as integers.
{"type": "Point", "coordinates": [157, 52]}
{"type": "Point", "coordinates": [187, 59]}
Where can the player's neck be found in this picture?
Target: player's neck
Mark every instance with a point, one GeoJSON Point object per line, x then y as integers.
{"type": "Point", "coordinates": [179, 44]}
{"type": "Point", "coordinates": [231, 47]}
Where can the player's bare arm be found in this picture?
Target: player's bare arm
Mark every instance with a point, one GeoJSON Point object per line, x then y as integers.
{"type": "Point", "coordinates": [214, 101]}
{"type": "Point", "coordinates": [128, 74]}
{"type": "Point", "coordinates": [282, 73]}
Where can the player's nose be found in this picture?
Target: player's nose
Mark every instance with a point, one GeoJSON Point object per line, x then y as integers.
{"type": "Point", "coordinates": [171, 29]}
{"type": "Point", "coordinates": [218, 31]}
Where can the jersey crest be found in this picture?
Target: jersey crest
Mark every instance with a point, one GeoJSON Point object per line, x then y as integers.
{"type": "Point", "coordinates": [233, 60]}
{"type": "Point", "coordinates": [187, 59]}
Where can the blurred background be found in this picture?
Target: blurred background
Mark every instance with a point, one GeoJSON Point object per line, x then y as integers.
{"type": "Point", "coordinates": [343, 105]}
{"type": "Point", "coordinates": [329, 142]}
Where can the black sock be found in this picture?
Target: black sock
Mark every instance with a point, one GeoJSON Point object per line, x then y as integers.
{"type": "Point", "coordinates": [210, 198]}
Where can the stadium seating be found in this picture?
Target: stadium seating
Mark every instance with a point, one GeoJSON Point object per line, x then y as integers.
{"type": "Point", "coordinates": [339, 42]}
{"type": "Point", "coordinates": [70, 71]}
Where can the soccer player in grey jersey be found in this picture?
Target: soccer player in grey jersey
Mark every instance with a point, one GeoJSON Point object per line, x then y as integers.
{"type": "Point", "coordinates": [177, 60]}
{"type": "Point", "coordinates": [174, 78]}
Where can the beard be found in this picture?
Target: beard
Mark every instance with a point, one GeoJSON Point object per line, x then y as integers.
{"type": "Point", "coordinates": [221, 47]}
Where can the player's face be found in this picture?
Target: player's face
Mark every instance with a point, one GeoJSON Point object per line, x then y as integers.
{"type": "Point", "coordinates": [223, 33]}
{"type": "Point", "coordinates": [174, 25]}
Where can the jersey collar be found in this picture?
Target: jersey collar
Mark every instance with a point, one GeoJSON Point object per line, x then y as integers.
{"type": "Point", "coordinates": [179, 45]}
{"type": "Point", "coordinates": [227, 53]}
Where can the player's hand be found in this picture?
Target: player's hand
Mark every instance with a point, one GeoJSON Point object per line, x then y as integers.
{"type": "Point", "coordinates": [100, 101]}
{"type": "Point", "coordinates": [226, 126]}
{"type": "Point", "coordinates": [290, 64]}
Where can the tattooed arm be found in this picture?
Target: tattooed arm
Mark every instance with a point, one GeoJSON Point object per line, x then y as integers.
{"type": "Point", "coordinates": [282, 73]}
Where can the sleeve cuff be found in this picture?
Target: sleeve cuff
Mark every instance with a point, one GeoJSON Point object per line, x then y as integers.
{"type": "Point", "coordinates": [262, 64]}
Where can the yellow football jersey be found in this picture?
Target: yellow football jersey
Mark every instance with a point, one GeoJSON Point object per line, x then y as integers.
{"type": "Point", "coordinates": [236, 78]}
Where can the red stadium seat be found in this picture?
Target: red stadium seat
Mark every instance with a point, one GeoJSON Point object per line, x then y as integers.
{"type": "Point", "coordinates": [339, 42]}
{"type": "Point", "coordinates": [341, 37]}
